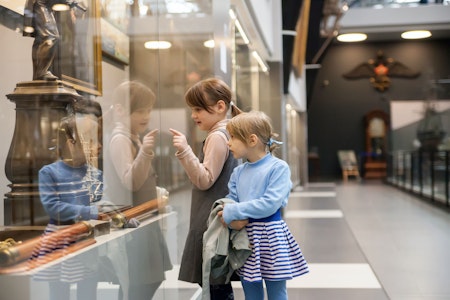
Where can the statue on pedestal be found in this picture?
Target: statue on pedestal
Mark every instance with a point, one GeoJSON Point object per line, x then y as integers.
{"type": "Point", "coordinates": [40, 23]}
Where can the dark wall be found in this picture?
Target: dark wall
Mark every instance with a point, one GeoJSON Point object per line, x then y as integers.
{"type": "Point", "coordinates": [337, 106]}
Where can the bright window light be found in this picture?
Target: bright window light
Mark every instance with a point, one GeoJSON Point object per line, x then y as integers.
{"type": "Point", "coordinates": [416, 34]}
{"type": "Point", "coordinates": [352, 37]}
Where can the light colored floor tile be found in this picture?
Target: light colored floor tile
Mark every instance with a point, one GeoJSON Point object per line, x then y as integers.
{"type": "Point", "coordinates": [325, 276]}
{"type": "Point", "coordinates": [320, 276]}
{"type": "Point", "coordinates": [316, 213]}
{"type": "Point", "coordinates": [313, 194]}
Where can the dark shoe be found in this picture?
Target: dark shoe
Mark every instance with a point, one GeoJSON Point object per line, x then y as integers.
{"type": "Point", "coordinates": [221, 292]}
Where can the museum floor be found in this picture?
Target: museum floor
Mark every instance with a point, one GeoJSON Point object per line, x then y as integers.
{"type": "Point", "coordinates": [362, 240]}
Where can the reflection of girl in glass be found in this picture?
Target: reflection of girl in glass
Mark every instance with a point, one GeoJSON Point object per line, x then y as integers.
{"type": "Point", "coordinates": [68, 188]}
{"type": "Point", "coordinates": [131, 180]}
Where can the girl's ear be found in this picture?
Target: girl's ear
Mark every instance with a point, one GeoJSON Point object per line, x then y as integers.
{"type": "Point", "coordinates": [252, 140]}
{"type": "Point", "coordinates": [221, 106]}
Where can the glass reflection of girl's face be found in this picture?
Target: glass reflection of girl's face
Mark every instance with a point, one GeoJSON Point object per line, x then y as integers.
{"type": "Point", "coordinates": [139, 120]}
{"type": "Point", "coordinates": [88, 133]}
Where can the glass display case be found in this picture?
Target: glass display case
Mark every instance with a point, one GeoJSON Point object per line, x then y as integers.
{"type": "Point", "coordinates": [58, 131]}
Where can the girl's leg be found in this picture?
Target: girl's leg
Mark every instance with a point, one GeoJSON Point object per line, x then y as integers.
{"type": "Point", "coordinates": [276, 290]}
{"type": "Point", "coordinates": [253, 290]}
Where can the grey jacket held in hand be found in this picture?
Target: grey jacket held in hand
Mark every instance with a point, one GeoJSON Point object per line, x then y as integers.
{"type": "Point", "coordinates": [224, 250]}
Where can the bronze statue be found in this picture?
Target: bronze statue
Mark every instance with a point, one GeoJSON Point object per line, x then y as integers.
{"type": "Point", "coordinates": [40, 23]}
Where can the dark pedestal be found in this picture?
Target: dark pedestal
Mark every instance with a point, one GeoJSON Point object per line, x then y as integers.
{"type": "Point", "coordinates": [40, 105]}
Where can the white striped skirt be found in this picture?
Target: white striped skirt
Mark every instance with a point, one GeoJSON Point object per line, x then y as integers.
{"type": "Point", "coordinates": [275, 253]}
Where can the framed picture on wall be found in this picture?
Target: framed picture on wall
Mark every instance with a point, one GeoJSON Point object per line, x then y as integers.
{"type": "Point", "coordinates": [114, 24]}
{"type": "Point", "coordinates": [79, 52]}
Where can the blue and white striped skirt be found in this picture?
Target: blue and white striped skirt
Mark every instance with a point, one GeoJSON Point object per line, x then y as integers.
{"type": "Point", "coordinates": [70, 270]}
{"type": "Point", "coordinates": [275, 253]}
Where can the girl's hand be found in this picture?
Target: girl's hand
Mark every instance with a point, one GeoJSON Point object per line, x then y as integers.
{"type": "Point", "coordinates": [238, 224]}
{"type": "Point", "coordinates": [179, 140]}
{"type": "Point", "coordinates": [148, 142]}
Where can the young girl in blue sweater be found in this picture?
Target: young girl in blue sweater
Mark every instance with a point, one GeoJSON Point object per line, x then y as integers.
{"type": "Point", "coordinates": [260, 188]}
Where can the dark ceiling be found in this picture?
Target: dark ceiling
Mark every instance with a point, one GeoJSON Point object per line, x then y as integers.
{"type": "Point", "coordinates": [291, 11]}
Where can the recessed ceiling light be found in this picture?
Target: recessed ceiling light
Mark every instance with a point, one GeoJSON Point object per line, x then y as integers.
{"type": "Point", "coordinates": [352, 37]}
{"type": "Point", "coordinates": [157, 45]}
{"type": "Point", "coordinates": [416, 34]}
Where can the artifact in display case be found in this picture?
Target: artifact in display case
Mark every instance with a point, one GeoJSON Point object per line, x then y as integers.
{"type": "Point", "coordinates": [17, 255]}
{"type": "Point", "coordinates": [66, 43]}
{"type": "Point", "coordinates": [40, 23]}
{"type": "Point", "coordinates": [39, 107]}
{"type": "Point", "coordinates": [127, 217]}
{"type": "Point", "coordinates": [20, 256]}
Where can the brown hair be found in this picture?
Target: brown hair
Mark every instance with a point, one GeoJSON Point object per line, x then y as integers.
{"type": "Point", "coordinates": [67, 130]}
{"type": "Point", "coordinates": [134, 95]}
{"type": "Point", "coordinates": [208, 92]}
{"type": "Point", "coordinates": [253, 122]}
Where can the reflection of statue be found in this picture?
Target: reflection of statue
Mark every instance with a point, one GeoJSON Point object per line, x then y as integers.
{"type": "Point", "coordinates": [331, 8]}
{"type": "Point", "coordinates": [40, 23]}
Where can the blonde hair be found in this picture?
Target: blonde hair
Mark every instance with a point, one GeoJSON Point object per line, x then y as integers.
{"type": "Point", "coordinates": [253, 122]}
{"type": "Point", "coordinates": [208, 92]}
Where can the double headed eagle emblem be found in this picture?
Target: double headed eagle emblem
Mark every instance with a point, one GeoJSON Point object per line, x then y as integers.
{"type": "Point", "coordinates": [379, 70]}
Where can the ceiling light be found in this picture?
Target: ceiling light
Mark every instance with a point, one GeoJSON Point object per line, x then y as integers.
{"type": "Point", "coordinates": [416, 34]}
{"type": "Point", "coordinates": [157, 45]}
{"type": "Point", "coordinates": [352, 37]}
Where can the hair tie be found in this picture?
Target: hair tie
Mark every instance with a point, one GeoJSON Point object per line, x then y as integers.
{"type": "Point", "coordinates": [231, 103]}
{"type": "Point", "coordinates": [272, 141]}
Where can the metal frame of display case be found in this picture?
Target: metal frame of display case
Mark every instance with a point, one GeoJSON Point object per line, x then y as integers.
{"type": "Point", "coordinates": [424, 173]}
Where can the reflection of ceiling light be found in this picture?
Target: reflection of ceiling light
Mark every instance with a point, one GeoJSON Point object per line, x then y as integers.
{"type": "Point", "coordinates": [181, 7]}
{"type": "Point", "coordinates": [241, 32]}
{"type": "Point", "coordinates": [261, 63]}
{"type": "Point", "coordinates": [60, 7]}
{"type": "Point", "coordinates": [143, 10]}
{"type": "Point", "coordinates": [416, 34]}
{"type": "Point", "coordinates": [232, 14]}
{"type": "Point", "coordinates": [209, 44]}
{"type": "Point", "coordinates": [28, 29]}
{"type": "Point", "coordinates": [351, 37]}
{"type": "Point", "coordinates": [157, 45]}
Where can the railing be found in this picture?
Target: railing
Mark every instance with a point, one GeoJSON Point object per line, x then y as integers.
{"type": "Point", "coordinates": [393, 3]}
{"type": "Point", "coordinates": [425, 173]}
